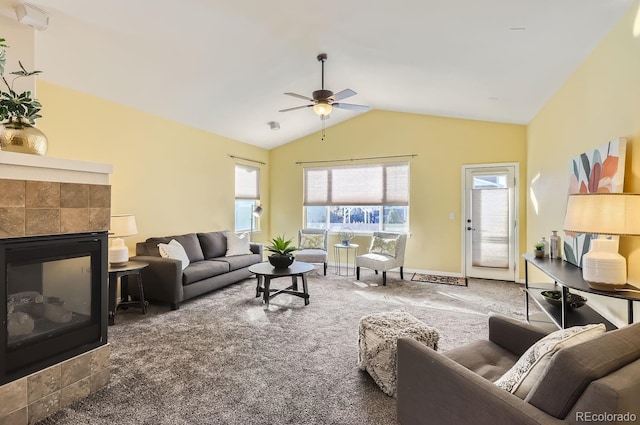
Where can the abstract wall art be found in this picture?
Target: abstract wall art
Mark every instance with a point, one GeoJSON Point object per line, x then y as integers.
{"type": "Point", "coordinates": [599, 170]}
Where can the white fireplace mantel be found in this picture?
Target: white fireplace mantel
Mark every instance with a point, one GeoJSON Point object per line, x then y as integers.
{"type": "Point", "coordinates": [20, 166]}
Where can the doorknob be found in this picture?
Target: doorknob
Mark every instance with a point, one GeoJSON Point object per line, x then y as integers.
{"type": "Point", "coordinates": [469, 228]}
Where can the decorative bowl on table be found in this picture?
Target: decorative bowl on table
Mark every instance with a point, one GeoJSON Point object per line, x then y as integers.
{"type": "Point", "coordinates": [572, 300]}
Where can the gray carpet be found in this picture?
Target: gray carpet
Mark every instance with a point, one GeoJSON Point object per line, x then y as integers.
{"type": "Point", "coordinates": [224, 359]}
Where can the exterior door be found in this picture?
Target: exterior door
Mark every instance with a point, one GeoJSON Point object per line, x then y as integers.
{"type": "Point", "coordinates": [490, 226]}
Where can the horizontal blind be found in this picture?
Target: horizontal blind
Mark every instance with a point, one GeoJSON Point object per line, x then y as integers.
{"type": "Point", "coordinates": [367, 184]}
{"type": "Point", "coordinates": [247, 182]}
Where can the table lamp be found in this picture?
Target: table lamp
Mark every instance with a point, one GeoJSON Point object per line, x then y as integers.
{"type": "Point", "coordinates": [604, 214]}
{"type": "Point", "coordinates": [122, 225]}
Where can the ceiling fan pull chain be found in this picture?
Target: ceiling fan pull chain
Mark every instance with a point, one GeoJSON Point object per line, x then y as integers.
{"type": "Point", "coordinates": [322, 138]}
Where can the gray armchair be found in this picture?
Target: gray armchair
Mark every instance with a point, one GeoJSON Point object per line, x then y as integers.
{"type": "Point", "coordinates": [599, 376]}
{"type": "Point", "coordinates": [384, 262]}
{"type": "Point", "coordinates": [317, 254]}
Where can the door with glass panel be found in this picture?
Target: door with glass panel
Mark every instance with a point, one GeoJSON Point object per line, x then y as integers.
{"type": "Point", "coordinates": [490, 225]}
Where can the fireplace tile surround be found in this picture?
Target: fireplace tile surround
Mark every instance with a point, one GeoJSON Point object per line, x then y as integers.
{"type": "Point", "coordinates": [49, 196]}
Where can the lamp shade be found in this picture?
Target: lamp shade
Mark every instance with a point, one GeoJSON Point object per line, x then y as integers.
{"type": "Point", "coordinates": [123, 225]}
{"type": "Point", "coordinates": [257, 211]}
{"type": "Point", "coordinates": [603, 214]}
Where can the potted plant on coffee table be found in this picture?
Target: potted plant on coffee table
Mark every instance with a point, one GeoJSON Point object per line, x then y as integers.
{"type": "Point", "coordinates": [282, 249]}
{"type": "Point", "coordinates": [539, 250]}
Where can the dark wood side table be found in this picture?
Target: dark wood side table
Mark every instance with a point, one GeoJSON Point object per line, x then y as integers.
{"type": "Point", "coordinates": [265, 271]}
{"type": "Point", "coordinates": [123, 272]}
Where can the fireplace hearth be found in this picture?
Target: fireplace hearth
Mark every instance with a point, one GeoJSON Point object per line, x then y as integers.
{"type": "Point", "coordinates": [54, 217]}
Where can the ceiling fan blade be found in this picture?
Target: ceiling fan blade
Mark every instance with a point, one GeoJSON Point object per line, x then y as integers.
{"type": "Point", "coordinates": [351, 107]}
{"type": "Point", "coordinates": [343, 94]}
{"type": "Point", "coordinates": [300, 96]}
{"type": "Point", "coordinates": [293, 109]}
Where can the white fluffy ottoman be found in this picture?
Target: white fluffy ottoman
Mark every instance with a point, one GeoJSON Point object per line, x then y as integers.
{"type": "Point", "coordinates": [378, 338]}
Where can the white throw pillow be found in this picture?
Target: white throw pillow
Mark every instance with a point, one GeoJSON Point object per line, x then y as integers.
{"type": "Point", "coordinates": [174, 250]}
{"type": "Point", "coordinates": [521, 378]}
{"type": "Point", "coordinates": [237, 245]}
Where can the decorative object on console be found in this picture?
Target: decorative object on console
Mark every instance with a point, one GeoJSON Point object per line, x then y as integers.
{"type": "Point", "coordinates": [282, 249]}
{"type": "Point", "coordinates": [539, 250]}
{"type": "Point", "coordinates": [122, 225]}
{"type": "Point", "coordinates": [596, 171]}
{"type": "Point", "coordinates": [612, 214]}
{"type": "Point", "coordinates": [545, 246]}
{"type": "Point", "coordinates": [554, 245]}
{"type": "Point", "coordinates": [572, 300]}
{"type": "Point", "coordinates": [18, 111]}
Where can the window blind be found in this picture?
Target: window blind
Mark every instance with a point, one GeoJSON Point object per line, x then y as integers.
{"type": "Point", "coordinates": [247, 182]}
{"type": "Point", "coordinates": [366, 184]}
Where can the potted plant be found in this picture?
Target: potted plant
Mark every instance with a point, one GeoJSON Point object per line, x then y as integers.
{"type": "Point", "coordinates": [539, 250]}
{"type": "Point", "coordinates": [18, 112]}
{"type": "Point", "coordinates": [282, 249]}
{"type": "Point", "coordinates": [346, 235]}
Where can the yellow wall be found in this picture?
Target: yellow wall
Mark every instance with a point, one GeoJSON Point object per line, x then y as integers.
{"type": "Point", "coordinates": [599, 102]}
{"type": "Point", "coordinates": [174, 178]}
{"type": "Point", "coordinates": [443, 145]}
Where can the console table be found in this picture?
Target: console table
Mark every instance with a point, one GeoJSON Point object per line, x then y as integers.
{"type": "Point", "coordinates": [567, 276]}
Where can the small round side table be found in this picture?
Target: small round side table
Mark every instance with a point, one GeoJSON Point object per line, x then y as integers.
{"type": "Point", "coordinates": [337, 250]}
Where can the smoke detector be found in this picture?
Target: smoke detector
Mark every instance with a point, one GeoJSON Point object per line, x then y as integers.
{"type": "Point", "coordinates": [32, 16]}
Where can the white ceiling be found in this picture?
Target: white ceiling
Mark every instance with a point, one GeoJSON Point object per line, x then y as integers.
{"type": "Point", "coordinates": [224, 65]}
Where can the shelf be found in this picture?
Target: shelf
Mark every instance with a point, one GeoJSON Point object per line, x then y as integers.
{"type": "Point", "coordinates": [573, 317]}
{"type": "Point", "coordinates": [567, 275]}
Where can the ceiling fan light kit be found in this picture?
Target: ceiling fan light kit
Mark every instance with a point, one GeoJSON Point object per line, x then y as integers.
{"type": "Point", "coordinates": [323, 101]}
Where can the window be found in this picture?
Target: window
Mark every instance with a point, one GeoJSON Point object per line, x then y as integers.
{"type": "Point", "coordinates": [247, 197]}
{"type": "Point", "coordinates": [365, 198]}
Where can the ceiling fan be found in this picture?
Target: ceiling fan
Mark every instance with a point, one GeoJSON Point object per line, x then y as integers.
{"type": "Point", "coordinates": [324, 100]}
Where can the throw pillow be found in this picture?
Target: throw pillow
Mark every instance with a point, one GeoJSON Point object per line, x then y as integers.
{"type": "Point", "coordinates": [237, 245]}
{"type": "Point", "coordinates": [521, 378]}
{"type": "Point", "coordinates": [311, 241]}
{"type": "Point", "coordinates": [174, 250]}
{"type": "Point", "coordinates": [384, 246]}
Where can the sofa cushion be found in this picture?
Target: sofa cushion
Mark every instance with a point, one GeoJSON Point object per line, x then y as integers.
{"type": "Point", "coordinates": [240, 261]}
{"type": "Point", "coordinates": [174, 250]}
{"type": "Point", "coordinates": [529, 368]}
{"type": "Point", "coordinates": [191, 245]}
{"type": "Point", "coordinates": [237, 245]}
{"type": "Point", "coordinates": [204, 269]}
{"type": "Point", "coordinates": [214, 244]}
{"type": "Point", "coordinates": [484, 358]}
{"type": "Point", "coordinates": [573, 369]}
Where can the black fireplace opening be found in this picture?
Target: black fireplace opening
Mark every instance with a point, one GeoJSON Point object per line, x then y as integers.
{"type": "Point", "coordinates": [54, 300]}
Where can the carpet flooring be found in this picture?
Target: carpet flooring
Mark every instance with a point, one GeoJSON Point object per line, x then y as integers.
{"type": "Point", "coordinates": [225, 359]}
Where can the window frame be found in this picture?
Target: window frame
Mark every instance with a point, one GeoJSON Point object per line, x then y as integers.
{"type": "Point", "coordinates": [249, 195]}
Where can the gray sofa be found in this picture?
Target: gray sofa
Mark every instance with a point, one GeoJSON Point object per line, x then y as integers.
{"type": "Point", "coordinates": [582, 382]}
{"type": "Point", "coordinates": [209, 268]}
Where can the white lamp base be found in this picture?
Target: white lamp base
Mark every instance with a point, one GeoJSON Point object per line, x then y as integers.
{"type": "Point", "coordinates": [602, 267]}
{"type": "Point", "coordinates": [118, 252]}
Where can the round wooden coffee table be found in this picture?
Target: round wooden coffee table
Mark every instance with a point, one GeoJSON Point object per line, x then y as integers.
{"type": "Point", "coordinates": [265, 272]}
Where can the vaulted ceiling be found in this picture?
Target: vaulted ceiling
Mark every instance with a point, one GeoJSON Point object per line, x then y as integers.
{"type": "Point", "coordinates": [224, 65]}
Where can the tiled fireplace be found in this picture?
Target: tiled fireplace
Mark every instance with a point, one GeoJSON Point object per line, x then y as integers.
{"type": "Point", "coordinates": [54, 217]}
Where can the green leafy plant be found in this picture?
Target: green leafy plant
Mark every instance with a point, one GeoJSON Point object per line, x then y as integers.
{"type": "Point", "coordinates": [539, 246]}
{"type": "Point", "coordinates": [346, 234]}
{"type": "Point", "coordinates": [281, 246]}
{"type": "Point", "coordinates": [14, 104]}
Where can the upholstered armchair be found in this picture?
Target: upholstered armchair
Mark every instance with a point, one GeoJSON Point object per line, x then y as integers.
{"type": "Point", "coordinates": [312, 247]}
{"type": "Point", "coordinates": [385, 253]}
{"type": "Point", "coordinates": [596, 380]}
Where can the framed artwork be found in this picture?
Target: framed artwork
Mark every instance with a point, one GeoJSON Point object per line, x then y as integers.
{"type": "Point", "coordinates": [599, 170]}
